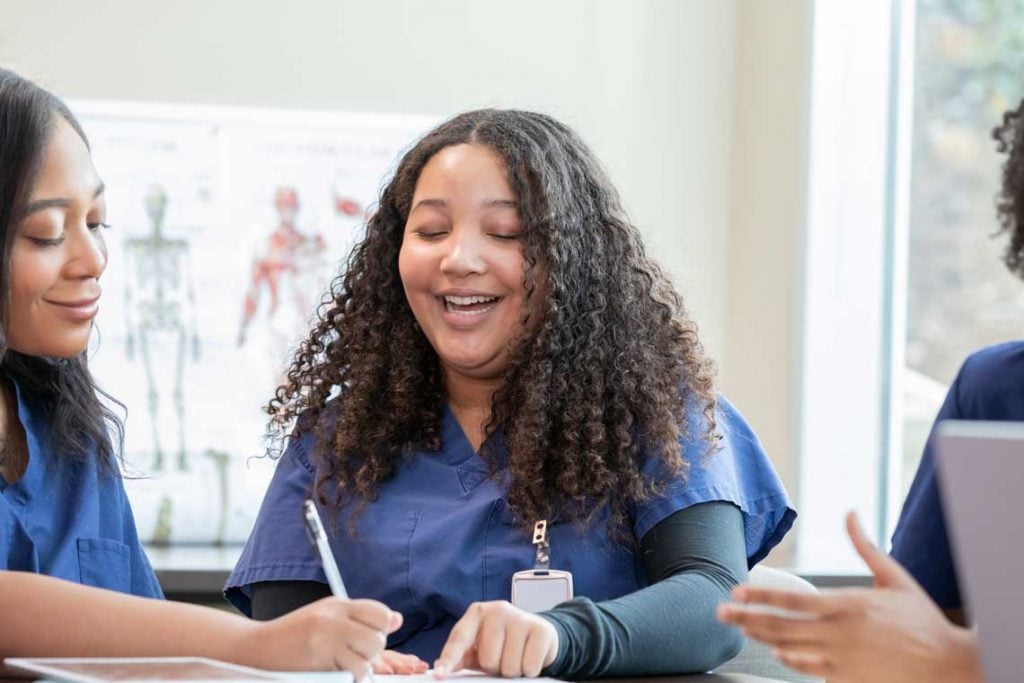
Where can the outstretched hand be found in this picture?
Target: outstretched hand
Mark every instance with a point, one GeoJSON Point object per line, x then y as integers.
{"type": "Point", "coordinates": [892, 632]}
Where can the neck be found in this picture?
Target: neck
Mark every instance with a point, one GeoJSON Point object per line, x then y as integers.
{"type": "Point", "coordinates": [470, 401]}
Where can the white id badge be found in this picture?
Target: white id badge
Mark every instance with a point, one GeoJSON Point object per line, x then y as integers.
{"type": "Point", "coordinates": [541, 588]}
{"type": "Point", "coordinates": [537, 590]}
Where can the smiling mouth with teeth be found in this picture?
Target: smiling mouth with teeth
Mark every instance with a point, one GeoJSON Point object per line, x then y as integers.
{"type": "Point", "coordinates": [469, 305]}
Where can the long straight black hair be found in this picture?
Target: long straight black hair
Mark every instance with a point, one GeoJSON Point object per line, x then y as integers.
{"type": "Point", "coordinates": [81, 424]}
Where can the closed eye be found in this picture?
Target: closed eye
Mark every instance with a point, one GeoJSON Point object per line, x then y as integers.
{"type": "Point", "coordinates": [46, 242]}
{"type": "Point", "coordinates": [431, 234]}
{"type": "Point", "coordinates": [96, 226]}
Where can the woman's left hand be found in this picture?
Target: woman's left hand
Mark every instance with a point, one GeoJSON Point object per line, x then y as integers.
{"type": "Point", "coordinates": [391, 662]}
{"type": "Point", "coordinates": [499, 639]}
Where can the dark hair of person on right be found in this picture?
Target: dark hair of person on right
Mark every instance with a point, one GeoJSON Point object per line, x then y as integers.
{"type": "Point", "coordinates": [608, 367]}
{"type": "Point", "coordinates": [80, 421]}
{"type": "Point", "coordinates": [1009, 137]}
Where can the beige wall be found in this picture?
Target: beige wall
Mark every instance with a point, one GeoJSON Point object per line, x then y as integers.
{"type": "Point", "coordinates": [696, 107]}
{"type": "Point", "coordinates": [764, 268]}
{"type": "Point", "coordinates": [648, 84]}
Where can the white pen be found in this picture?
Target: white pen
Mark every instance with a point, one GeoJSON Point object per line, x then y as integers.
{"type": "Point", "coordinates": [318, 537]}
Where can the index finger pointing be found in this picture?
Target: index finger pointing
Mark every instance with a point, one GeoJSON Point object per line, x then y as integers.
{"type": "Point", "coordinates": [462, 637]}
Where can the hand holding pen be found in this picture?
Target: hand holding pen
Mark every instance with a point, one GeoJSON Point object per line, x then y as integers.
{"type": "Point", "coordinates": [368, 639]}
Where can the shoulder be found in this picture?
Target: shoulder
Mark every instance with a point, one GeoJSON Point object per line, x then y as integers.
{"type": "Point", "coordinates": [989, 383]}
{"type": "Point", "coordinates": [733, 468]}
{"type": "Point", "coordinates": [730, 425]}
{"type": "Point", "coordinates": [993, 362]}
{"type": "Point", "coordinates": [311, 429]}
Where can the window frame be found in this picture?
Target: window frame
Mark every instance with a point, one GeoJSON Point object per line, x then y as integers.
{"type": "Point", "coordinates": [854, 306]}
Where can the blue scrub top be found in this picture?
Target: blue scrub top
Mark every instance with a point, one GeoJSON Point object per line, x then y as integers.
{"type": "Point", "coordinates": [989, 386]}
{"type": "Point", "coordinates": [68, 518]}
{"type": "Point", "coordinates": [440, 536]}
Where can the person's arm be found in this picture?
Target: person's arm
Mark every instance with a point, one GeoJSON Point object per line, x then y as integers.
{"type": "Point", "coordinates": [693, 558]}
{"type": "Point", "coordinates": [49, 617]}
{"type": "Point", "coordinates": [892, 632]}
{"type": "Point", "coordinates": [273, 599]}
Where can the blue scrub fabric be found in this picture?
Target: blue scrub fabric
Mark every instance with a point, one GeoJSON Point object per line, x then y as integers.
{"type": "Point", "coordinates": [441, 536]}
{"type": "Point", "coordinates": [68, 518]}
{"type": "Point", "coordinates": [989, 386]}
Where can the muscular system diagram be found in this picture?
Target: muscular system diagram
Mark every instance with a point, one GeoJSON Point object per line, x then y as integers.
{"type": "Point", "coordinates": [289, 268]}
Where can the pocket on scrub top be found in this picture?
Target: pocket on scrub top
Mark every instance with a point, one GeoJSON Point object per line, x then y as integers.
{"type": "Point", "coordinates": [105, 563]}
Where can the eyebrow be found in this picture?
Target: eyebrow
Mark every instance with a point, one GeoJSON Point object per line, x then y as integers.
{"type": "Point", "coordinates": [488, 203]}
{"type": "Point", "coordinates": [502, 203]}
{"type": "Point", "coordinates": [58, 203]}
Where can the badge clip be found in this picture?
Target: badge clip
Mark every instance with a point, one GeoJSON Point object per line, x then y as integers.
{"type": "Point", "coordinates": [542, 559]}
{"type": "Point", "coordinates": [541, 588]}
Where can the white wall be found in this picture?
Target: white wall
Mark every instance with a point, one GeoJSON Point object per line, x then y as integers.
{"type": "Point", "coordinates": [696, 107]}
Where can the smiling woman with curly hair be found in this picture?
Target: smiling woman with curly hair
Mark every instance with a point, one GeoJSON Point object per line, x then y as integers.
{"type": "Point", "coordinates": [501, 350]}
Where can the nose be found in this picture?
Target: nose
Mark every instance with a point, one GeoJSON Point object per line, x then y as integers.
{"type": "Point", "coordinates": [465, 255]}
{"type": "Point", "coordinates": [88, 255]}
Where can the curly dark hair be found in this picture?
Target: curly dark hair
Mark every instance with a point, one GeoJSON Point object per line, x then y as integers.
{"type": "Point", "coordinates": [607, 377]}
{"type": "Point", "coordinates": [1009, 137]}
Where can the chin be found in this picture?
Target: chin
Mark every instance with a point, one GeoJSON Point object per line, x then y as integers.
{"type": "Point", "coordinates": [65, 351]}
{"type": "Point", "coordinates": [59, 354]}
{"type": "Point", "coordinates": [475, 366]}
{"type": "Point", "coordinates": [53, 351]}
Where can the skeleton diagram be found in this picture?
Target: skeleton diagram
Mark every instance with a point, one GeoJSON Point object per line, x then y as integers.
{"type": "Point", "coordinates": [290, 265]}
{"type": "Point", "coordinates": [160, 306]}
{"type": "Point", "coordinates": [163, 530]}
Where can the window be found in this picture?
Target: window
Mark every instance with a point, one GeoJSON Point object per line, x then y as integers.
{"type": "Point", "coordinates": [969, 66]}
{"type": "Point", "coordinates": [903, 278]}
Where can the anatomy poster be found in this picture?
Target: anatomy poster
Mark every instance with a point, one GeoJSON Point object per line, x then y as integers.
{"type": "Point", "coordinates": [227, 227]}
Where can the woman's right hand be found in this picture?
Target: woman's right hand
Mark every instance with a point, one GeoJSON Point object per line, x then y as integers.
{"type": "Point", "coordinates": [329, 634]}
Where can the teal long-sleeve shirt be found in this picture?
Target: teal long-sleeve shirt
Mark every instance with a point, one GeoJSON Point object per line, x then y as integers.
{"type": "Point", "coordinates": [692, 559]}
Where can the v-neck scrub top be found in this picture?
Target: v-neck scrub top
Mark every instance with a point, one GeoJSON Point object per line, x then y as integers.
{"type": "Point", "coordinates": [70, 518]}
{"type": "Point", "coordinates": [441, 536]}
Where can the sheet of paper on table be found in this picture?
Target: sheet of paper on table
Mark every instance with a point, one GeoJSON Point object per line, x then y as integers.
{"type": "Point", "coordinates": [163, 669]}
{"type": "Point", "coordinates": [462, 676]}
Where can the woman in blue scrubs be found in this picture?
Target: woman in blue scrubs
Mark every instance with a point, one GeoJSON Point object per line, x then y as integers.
{"type": "Point", "coordinates": [501, 351]}
{"type": "Point", "coordinates": [66, 528]}
{"type": "Point", "coordinates": [904, 629]}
